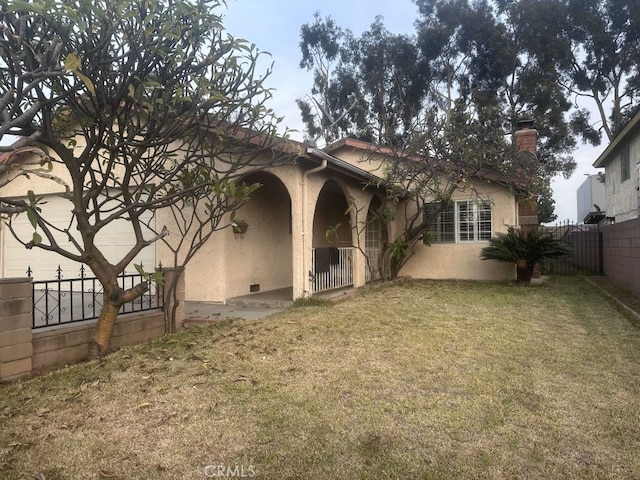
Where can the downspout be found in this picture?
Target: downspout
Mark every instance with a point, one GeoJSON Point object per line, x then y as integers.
{"type": "Point", "coordinates": [321, 167]}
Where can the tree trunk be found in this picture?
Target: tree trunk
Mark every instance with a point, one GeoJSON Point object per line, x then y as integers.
{"type": "Point", "coordinates": [114, 298]}
{"type": "Point", "coordinates": [104, 329]}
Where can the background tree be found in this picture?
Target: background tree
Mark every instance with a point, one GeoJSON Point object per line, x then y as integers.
{"type": "Point", "coordinates": [590, 47]}
{"type": "Point", "coordinates": [137, 105]}
{"type": "Point", "coordinates": [420, 176]}
{"type": "Point", "coordinates": [477, 60]}
{"type": "Point", "coordinates": [555, 61]}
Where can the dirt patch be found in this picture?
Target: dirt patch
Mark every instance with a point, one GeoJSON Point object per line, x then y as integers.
{"type": "Point", "coordinates": [629, 299]}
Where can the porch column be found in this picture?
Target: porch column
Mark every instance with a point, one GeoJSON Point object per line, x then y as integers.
{"type": "Point", "coordinates": [301, 238]}
{"type": "Point", "coordinates": [359, 223]}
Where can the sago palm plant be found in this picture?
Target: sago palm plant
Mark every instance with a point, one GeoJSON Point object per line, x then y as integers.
{"type": "Point", "coordinates": [524, 249]}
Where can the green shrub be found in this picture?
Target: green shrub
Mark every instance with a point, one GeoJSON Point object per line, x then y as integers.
{"type": "Point", "coordinates": [524, 249]}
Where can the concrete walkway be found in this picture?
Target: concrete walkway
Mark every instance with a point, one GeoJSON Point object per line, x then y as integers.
{"type": "Point", "coordinates": [250, 307]}
{"type": "Point", "coordinates": [206, 312]}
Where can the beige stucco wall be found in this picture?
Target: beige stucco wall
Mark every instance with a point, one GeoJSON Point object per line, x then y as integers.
{"type": "Point", "coordinates": [227, 265]}
{"type": "Point", "coordinates": [462, 260]}
{"type": "Point", "coordinates": [372, 162]}
{"type": "Point", "coordinates": [263, 256]}
{"type": "Point", "coordinates": [275, 252]}
{"type": "Point", "coordinates": [622, 197]}
{"type": "Point", "coordinates": [331, 212]}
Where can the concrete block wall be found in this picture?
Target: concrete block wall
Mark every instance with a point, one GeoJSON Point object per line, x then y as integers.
{"type": "Point", "coordinates": [24, 350]}
{"type": "Point", "coordinates": [16, 348]}
{"type": "Point", "coordinates": [67, 344]}
{"type": "Point", "coordinates": [621, 254]}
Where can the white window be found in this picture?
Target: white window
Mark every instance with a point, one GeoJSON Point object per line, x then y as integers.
{"type": "Point", "coordinates": [625, 167]}
{"type": "Point", "coordinates": [464, 221]}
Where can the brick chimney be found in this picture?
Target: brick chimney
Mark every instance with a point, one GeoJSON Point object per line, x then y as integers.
{"type": "Point", "coordinates": [525, 139]}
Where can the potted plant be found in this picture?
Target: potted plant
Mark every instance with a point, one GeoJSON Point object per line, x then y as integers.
{"type": "Point", "coordinates": [524, 249]}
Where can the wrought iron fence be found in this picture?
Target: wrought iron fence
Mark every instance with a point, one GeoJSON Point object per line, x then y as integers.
{"type": "Point", "coordinates": [586, 250]}
{"type": "Point", "coordinates": [61, 301]}
{"type": "Point", "coordinates": [332, 268]}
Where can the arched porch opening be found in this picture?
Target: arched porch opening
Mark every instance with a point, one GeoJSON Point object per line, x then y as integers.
{"type": "Point", "coordinates": [261, 244]}
{"type": "Point", "coordinates": [332, 244]}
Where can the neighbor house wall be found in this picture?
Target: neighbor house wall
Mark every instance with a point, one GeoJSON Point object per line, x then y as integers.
{"type": "Point", "coordinates": [622, 197]}
{"type": "Point", "coordinates": [590, 194]}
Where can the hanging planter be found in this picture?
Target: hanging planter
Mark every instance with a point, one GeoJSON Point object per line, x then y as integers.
{"type": "Point", "coordinates": [239, 228]}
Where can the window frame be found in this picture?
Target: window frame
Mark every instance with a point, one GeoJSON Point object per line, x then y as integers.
{"type": "Point", "coordinates": [625, 164]}
{"type": "Point", "coordinates": [469, 230]}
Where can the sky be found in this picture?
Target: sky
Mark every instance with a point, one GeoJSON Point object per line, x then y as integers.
{"type": "Point", "coordinates": [274, 27]}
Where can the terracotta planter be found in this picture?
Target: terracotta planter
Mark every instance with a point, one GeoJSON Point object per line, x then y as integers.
{"type": "Point", "coordinates": [523, 272]}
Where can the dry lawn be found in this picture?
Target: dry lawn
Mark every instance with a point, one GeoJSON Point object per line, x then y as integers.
{"type": "Point", "coordinates": [418, 380]}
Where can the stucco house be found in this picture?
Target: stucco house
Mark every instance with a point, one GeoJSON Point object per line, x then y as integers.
{"type": "Point", "coordinates": [621, 163]}
{"type": "Point", "coordinates": [281, 243]}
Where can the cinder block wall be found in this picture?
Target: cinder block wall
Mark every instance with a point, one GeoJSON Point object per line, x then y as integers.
{"type": "Point", "coordinates": [16, 349]}
{"type": "Point", "coordinates": [621, 254]}
{"type": "Point", "coordinates": [24, 350]}
{"type": "Point", "coordinates": [66, 344]}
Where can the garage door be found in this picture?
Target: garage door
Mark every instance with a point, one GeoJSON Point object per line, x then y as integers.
{"type": "Point", "coordinates": [113, 241]}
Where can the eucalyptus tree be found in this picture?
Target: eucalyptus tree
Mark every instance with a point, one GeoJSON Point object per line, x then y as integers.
{"type": "Point", "coordinates": [135, 106]}
{"type": "Point", "coordinates": [590, 47]}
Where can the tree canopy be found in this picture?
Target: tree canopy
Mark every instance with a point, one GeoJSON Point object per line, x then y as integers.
{"type": "Point", "coordinates": [135, 106]}
{"type": "Point", "coordinates": [492, 63]}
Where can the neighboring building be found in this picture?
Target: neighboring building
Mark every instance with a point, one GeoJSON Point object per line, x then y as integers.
{"type": "Point", "coordinates": [591, 199]}
{"type": "Point", "coordinates": [621, 161]}
{"type": "Point", "coordinates": [283, 244]}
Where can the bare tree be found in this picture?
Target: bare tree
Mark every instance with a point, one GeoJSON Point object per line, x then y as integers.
{"type": "Point", "coordinates": [136, 106]}
{"type": "Point", "coordinates": [419, 179]}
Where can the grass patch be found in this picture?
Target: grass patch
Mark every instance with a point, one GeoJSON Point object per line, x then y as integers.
{"type": "Point", "coordinates": [312, 302]}
{"type": "Point", "coordinates": [419, 380]}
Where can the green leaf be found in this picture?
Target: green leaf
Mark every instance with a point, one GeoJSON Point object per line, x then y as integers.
{"type": "Point", "coordinates": [32, 216]}
{"type": "Point", "coordinates": [31, 196]}
{"type": "Point", "coordinates": [157, 277]}
{"type": "Point", "coordinates": [140, 270]}
{"type": "Point", "coordinates": [72, 64]}
{"type": "Point", "coordinates": [37, 238]}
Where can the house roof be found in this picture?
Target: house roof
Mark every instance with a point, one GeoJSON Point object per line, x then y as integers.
{"type": "Point", "coordinates": [358, 145]}
{"type": "Point", "coordinates": [628, 129]}
{"type": "Point", "coordinates": [491, 175]}
{"type": "Point", "coordinates": [343, 167]}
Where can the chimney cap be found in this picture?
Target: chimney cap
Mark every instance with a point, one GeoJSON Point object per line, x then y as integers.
{"type": "Point", "coordinates": [525, 122]}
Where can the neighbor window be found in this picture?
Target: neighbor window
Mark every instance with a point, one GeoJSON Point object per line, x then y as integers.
{"type": "Point", "coordinates": [625, 169]}
{"type": "Point", "coordinates": [465, 221]}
